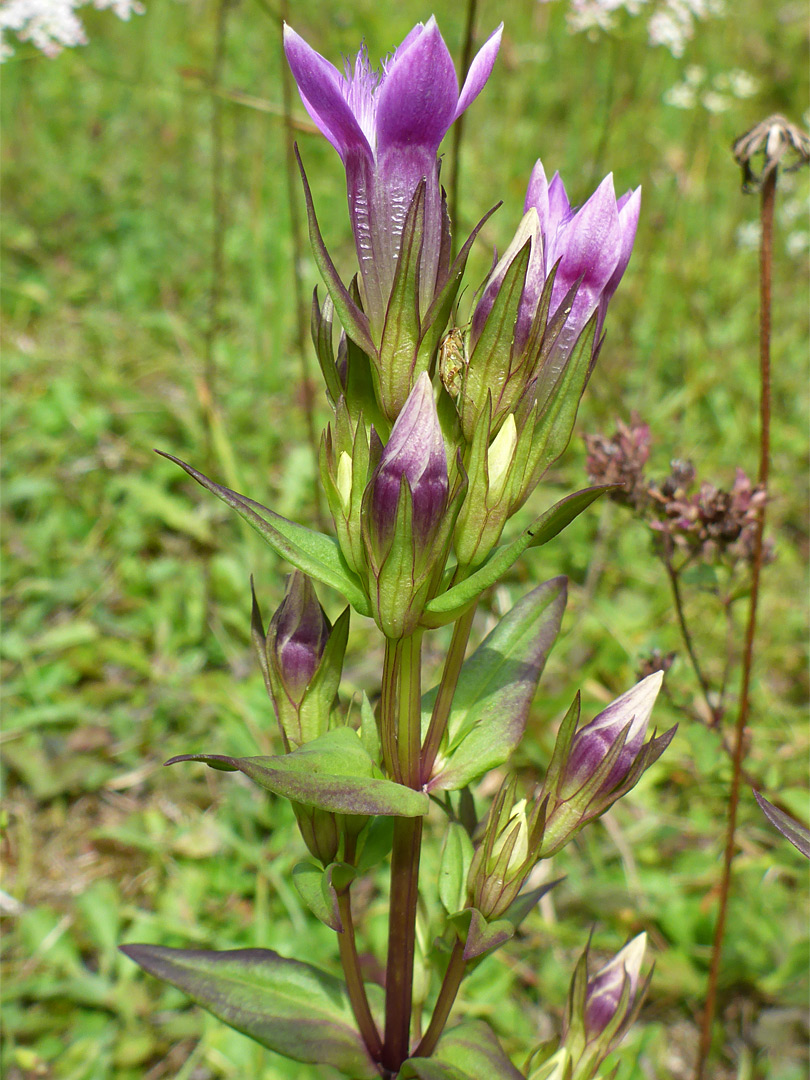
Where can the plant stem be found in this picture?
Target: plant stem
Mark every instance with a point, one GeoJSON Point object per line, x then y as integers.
{"type": "Point", "coordinates": [458, 127]}
{"type": "Point", "coordinates": [447, 688]}
{"type": "Point", "coordinates": [677, 599]}
{"type": "Point", "coordinates": [354, 979]}
{"type": "Point", "coordinates": [404, 858]}
{"type": "Point", "coordinates": [444, 1002]}
{"type": "Point", "coordinates": [768, 197]}
{"type": "Point", "coordinates": [388, 709]}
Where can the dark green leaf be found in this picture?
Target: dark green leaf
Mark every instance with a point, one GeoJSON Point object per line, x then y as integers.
{"type": "Point", "coordinates": [285, 1005]}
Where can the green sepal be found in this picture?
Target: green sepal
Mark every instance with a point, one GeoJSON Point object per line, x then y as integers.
{"type": "Point", "coordinates": [333, 773]}
{"type": "Point", "coordinates": [449, 606]}
{"type": "Point", "coordinates": [562, 746]}
{"type": "Point", "coordinates": [474, 1048]}
{"type": "Point", "coordinates": [401, 332]}
{"type": "Point", "coordinates": [289, 1007]}
{"type": "Point", "coordinates": [495, 689]}
{"type": "Point", "coordinates": [552, 431]}
{"type": "Point", "coordinates": [309, 880]}
{"type": "Point", "coordinates": [489, 365]}
{"type": "Point", "coordinates": [485, 937]}
{"type": "Point", "coordinates": [454, 865]}
{"type": "Point", "coordinates": [438, 314]}
{"type": "Point", "coordinates": [353, 319]}
{"type": "Point", "coordinates": [312, 552]}
{"type": "Point", "coordinates": [321, 330]}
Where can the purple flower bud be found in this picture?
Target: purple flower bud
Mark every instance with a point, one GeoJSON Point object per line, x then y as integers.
{"type": "Point", "coordinates": [297, 636]}
{"type": "Point", "coordinates": [605, 989]}
{"type": "Point", "coordinates": [387, 125]}
{"type": "Point", "coordinates": [593, 742]}
{"type": "Point", "coordinates": [415, 451]}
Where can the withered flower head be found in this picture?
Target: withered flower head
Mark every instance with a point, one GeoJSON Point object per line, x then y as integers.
{"type": "Point", "coordinates": [781, 144]}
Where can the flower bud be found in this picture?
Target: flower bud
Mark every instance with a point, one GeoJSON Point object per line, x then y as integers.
{"type": "Point", "coordinates": [601, 1008]}
{"type": "Point", "coordinates": [301, 657]}
{"type": "Point", "coordinates": [506, 853]}
{"type": "Point", "coordinates": [405, 523]}
{"type": "Point", "coordinates": [296, 637]}
{"type": "Point", "coordinates": [593, 767]}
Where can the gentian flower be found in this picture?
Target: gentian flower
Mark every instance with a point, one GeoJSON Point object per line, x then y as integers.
{"type": "Point", "coordinates": [605, 989]}
{"type": "Point", "coordinates": [593, 767]}
{"type": "Point", "coordinates": [387, 125]}
{"type": "Point", "coordinates": [590, 248]}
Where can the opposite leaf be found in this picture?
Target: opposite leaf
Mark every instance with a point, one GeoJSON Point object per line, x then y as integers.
{"type": "Point", "coordinates": [495, 689]}
{"type": "Point", "coordinates": [333, 772]}
{"type": "Point", "coordinates": [285, 1005]}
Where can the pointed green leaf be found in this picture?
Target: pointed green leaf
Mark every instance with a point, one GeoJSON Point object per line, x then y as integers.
{"type": "Point", "coordinates": [309, 881]}
{"type": "Point", "coordinates": [321, 330]}
{"type": "Point", "coordinates": [333, 772]}
{"type": "Point", "coordinates": [523, 904]}
{"type": "Point", "coordinates": [457, 855]}
{"type": "Point", "coordinates": [449, 605]}
{"type": "Point", "coordinates": [473, 1047]}
{"type": "Point", "coordinates": [312, 552]}
{"type": "Point", "coordinates": [287, 1006]}
{"type": "Point", "coordinates": [495, 689]}
{"type": "Point", "coordinates": [355, 321]}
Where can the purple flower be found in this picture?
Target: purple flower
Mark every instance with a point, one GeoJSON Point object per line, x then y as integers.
{"type": "Point", "coordinates": [387, 126]}
{"type": "Point", "coordinates": [605, 989]}
{"type": "Point", "coordinates": [297, 636]}
{"type": "Point", "coordinates": [592, 245]}
{"type": "Point", "coordinates": [593, 742]}
{"type": "Point", "coordinates": [414, 452]}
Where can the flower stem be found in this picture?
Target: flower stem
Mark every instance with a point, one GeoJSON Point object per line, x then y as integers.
{"type": "Point", "coordinates": [458, 127]}
{"type": "Point", "coordinates": [447, 688]}
{"type": "Point", "coordinates": [406, 657]}
{"type": "Point", "coordinates": [766, 251]}
{"type": "Point", "coordinates": [444, 1003]}
{"type": "Point", "coordinates": [354, 979]}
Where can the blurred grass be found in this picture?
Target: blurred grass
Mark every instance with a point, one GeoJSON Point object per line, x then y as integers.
{"type": "Point", "coordinates": [126, 603]}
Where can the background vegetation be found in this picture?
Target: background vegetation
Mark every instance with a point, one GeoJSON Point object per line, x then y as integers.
{"type": "Point", "coordinates": [126, 588]}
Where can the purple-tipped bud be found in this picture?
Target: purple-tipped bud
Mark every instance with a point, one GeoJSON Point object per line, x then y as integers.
{"type": "Point", "coordinates": [605, 989]}
{"type": "Point", "coordinates": [414, 452]}
{"type": "Point", "coordinates": [297, 636]}
{"type": "Point", "coordinates": [593, 742]}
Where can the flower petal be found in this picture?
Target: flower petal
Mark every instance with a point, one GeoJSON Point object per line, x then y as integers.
{"type": "Point", "coordinates": [480, 70]}
{"type": "Point", "coordinates": [321, 85]}
{"type": "Point", "coordinates": [418, 96]}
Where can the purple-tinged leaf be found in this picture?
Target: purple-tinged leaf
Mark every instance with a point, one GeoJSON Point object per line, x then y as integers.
{"type": "Point", "coordinates": [473, 1047]}
{"type": "Point", "coordinates": [496, 687]}
{"type": "Point", "coordinates": [289, 1007]}
{"type": "Point", "coordinates": [485, 937]}
{"type": "Point", "coordinates": [333, 772]}
{"type": "Point", "coordinates": [791, 829]}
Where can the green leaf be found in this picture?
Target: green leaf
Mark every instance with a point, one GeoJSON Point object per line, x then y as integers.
{"type": "Point", "coordinates": [473, 1048]}
{"type": "Point", "coordinates": [496, 687]}
{"type": "Point", "coordinates": [287, 1006]}
{"type": "Point", "coordinates": [448, 606]}
{"type": "Point", "coordinates": [457, 855]}
{"type": "Point", "coordinates": [309, 881]}
{"type": "Point", "coordinates": [311, 552]}
{"type": "Point", "coordinates": [333, 772]}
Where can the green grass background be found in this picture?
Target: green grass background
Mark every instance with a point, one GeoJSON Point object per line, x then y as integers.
{"type": "Point", "coordinates": [126, 601]}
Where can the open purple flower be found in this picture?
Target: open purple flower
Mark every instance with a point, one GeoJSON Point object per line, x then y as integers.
{"type": "Point", "coordinates": [592, 245]}
{"type": "Point", "coordinates": [387, 125]}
